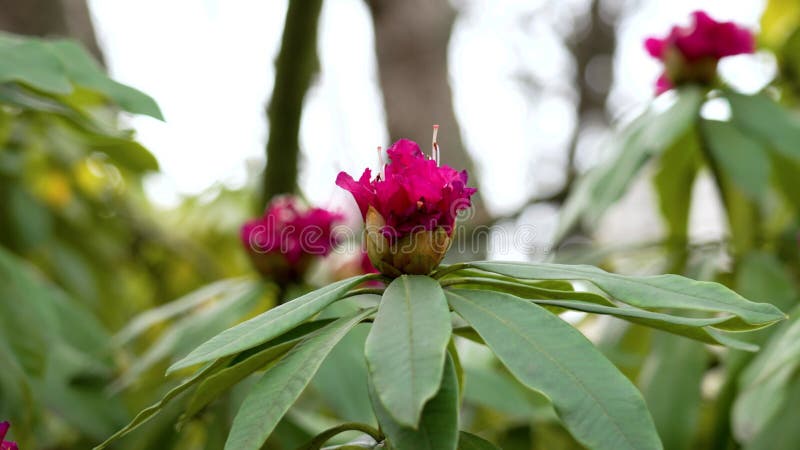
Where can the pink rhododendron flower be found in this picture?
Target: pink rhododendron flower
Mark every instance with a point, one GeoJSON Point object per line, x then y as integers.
{"type": "Point", "coordinates": [288, 236]}
{"type": "Point", "coordinates": [409, 209]}
{"type": "Point", "coordinates": [691, 53]}
{"type": "Point", "coordinates": [4, 444]}
{"type": "Point", "coordinates": [414, 193]}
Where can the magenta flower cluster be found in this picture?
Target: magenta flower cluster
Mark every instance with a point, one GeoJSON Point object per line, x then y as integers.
{"type": "Point", "coordinates": [414, 193]}
{"type": "Point", "coordinates": [706, 40]}
{"type": "Point", "coordinates": [4, 444]}
{"type": "Point", "coordinates": [290, 232]}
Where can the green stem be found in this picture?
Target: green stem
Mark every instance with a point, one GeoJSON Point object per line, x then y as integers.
{"type": "Point", "coordinates": [325, 436]}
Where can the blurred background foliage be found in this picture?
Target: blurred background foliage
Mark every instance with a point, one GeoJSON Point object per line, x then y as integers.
{"type": "Point", "coordinates": [101, 288]}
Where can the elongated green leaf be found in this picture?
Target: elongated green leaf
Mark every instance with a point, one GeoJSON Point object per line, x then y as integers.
{"type": "Point", "coordinates": [648, 135]}
{"type": "Point", "coordinates": [406, 347]}
{"type": "Point", "coordinates": [341, 381]}
{"type": "Point", "coordinates": [83, 70]}
{"type": "Point", "coordinates": [438, 425]}
{"type": "Point", "coordinates": [764, 383]}
{"type": "Point", "coordinates": [280, 386]}
{"type": "Point", "coordinates": [694, 328]}
{"type": "Point", "coordinates": [761, 117]}
{"type": "Point", "coordinates": [192, 300]}
{"type": "Point", "coordinates": [493, 389]}
{"type": "Point", "coordinates": [671, 381]}
{"type": "Point", "coordinates": [744, 160]}
{"type": "Point", "coordinates": [193, 329]}
{"type": "Point", "coordinates": [673, 181]}
{"type": "Point", "coordinates": [782, 432]}
{"type": "Point", "coordinates": [600, 407]}
{"type": "Point", "coordinates": [149, 412]}
{"type": "Point", "coordinates": [268, 325]}
{"type": "Point", "coordinates": [245, 364]}
{"type": "Point", "coordinates": [29, 61]}
{"type": "Point", "coordinates": [660, 291]}
{"type": "Point", "coordinates": [469, 441]}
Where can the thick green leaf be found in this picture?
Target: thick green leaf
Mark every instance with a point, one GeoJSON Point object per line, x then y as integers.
{"type": "Point", "coordinates": [341, 381]}
{"type": "Point", "coordinates": [438, 425]}
{"type": "Point", "coordinates": [282, 384]}
{"type": "Point", "coordinates": [244, 365]}
{"type": "Point", "coordinates": [745, 161]}
{"type": "Point", "coordinates": [648, 135]}
{"type": "Point", "coordinates": [763, 385]}
{"type": "Point", "coordinates": [492, 389]}
{"type": "Point", "coordinates": [27, 313]}
{"type": "Point", "coordinates": [83, 70]}
{"type": "Point", "coordinates": [149, 412]}
{"type": "Point", "coordinates": [660, 291]}
{"type": "Point", "coordinates": [268, 325]}
{"type": "Point", "coordinates": [691, 327]}
{"type": "Point", "coordinates": [599, 406]}
{"type": "Point", "coordinates": [673, 181]}
{"type": "Point", "coordinates": [406, 347]}
{"type": "Point", "coordinates": [468, 441]}
{"type": "Point", "coordinates": [29, 61]}
{"type": "Point", "coordinates": [188, 302]}
{"type": "Point", "coordinates": [782, 432]}
{"type": "Point", "coordinates": [761, 117]}
{"type": "Point", "coordinates": [671, 380]}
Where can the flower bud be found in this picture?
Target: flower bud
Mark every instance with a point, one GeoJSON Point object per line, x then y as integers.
{"type": "Point", "coordinates": [417, 253]}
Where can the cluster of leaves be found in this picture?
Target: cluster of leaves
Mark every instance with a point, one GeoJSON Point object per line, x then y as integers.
{"type": "Point", "coordinates": [415, 374]}
{"type": "Point", "coordinates": [72, 207]}
{"type": "Point", "coordinates": [753, 159]}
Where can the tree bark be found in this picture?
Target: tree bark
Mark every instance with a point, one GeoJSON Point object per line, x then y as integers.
{"type": "Point", "coordinates": [51, 18]}
{"type": "Point", "coordinates": [295, 67]}
{"type": "Point", "coordinates": [411, 41]}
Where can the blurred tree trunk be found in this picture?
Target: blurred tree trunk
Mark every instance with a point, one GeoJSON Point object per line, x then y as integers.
{"type": "Point", "coordinates": [51, 18]}
{"type": "Point", "coordinates": [295, 67]}
{"type": "Point", "coordinates": [411, 41]}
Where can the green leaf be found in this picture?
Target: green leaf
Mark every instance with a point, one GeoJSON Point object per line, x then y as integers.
{"type": "Point", "coordinates": [186, 333]}
{"type": "Point", "coordinates": [761, 117]}
{"type": "Point", "coordinates": [674, 181]}
{"type": "Point", "coordinates": [149, 412]}
{"type": "Point", "coordinates": [782, 432]}
{"type": "Point", "coordinates": [744, 160]}
{"type": "Point", "coordinates": [282, 384]}
{"type": "Point", "coordinates": [29, 61]}
{"type": "Point", "coordinates": [647, 136]}
{"type": "Point", "coordinates": [269, 324]}
{"type": "Point", "coordinates": [660, 291]}
{"type": "Point", "coordinates": [469, 441]}
{"type": "Point", "coordinates": [671, 380]}
{"type": "Point", "coordinates": [691, 327]}
{"type": "Point", "coordinates": [406, 347]}
{"type": "Point", "coordinates": [185, 304]}
{"type": "Point", "coordinates": [438, 425]}
{"type": "Point", "coordinates": [341, 381]}
{"type": "Point", "coordinates": [600, 407]}
{"type": "Point", "coordinates": [763, 385]}
{"type": "Point", "coordinates": [490, 388]}
{"type": "Point", "coordinates": [84, 71]}
{"type": "Point", "coordinates": [213, 386]}
{"type": "Point", "coordinates": [128, 154]}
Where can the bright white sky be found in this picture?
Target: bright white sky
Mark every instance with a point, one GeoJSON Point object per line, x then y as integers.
{"type": "Point", "coordinates": [209, 64]}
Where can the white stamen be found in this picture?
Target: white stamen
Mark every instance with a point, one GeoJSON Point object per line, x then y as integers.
{"type": "Point", "coordinates": [435, 145]}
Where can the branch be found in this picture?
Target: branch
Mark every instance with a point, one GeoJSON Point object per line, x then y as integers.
{"type": "Point", "coordinates": [295, 67]}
